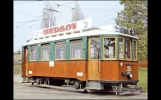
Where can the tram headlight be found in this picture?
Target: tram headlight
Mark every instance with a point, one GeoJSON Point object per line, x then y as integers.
{"type": "Point", "coordinates": [123, 73]}
{"type": "Point", "coordinates": [129, 75]}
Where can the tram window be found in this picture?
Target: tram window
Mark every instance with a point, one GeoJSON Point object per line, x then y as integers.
{"type": "Point", "coordinates": [26, 52]}
{"type": "Point", "coordinates": [95, 49]}
{"type": "Point", "coordinates": [60, 51]}
{"type": "Point", "coordinates": [127, 49]}
{"type": "Point", "coordinates": [45, 52]}
{"type": "Point", "coordinates": [121, 50]}
{"type": "Point", "coordinates": [135, 50]}
{"type": "Point", "coordinates": [76, 50]}
{"type": "Point", "coordinates": [109, 47]}
{"type": "Point", "coordinates": [34, 53]}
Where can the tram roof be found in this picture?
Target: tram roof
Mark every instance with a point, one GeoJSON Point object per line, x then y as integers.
{"type": "Point", "coordinates": [95, 31]}
{"type": "Point", "coordinates": [74, 30]}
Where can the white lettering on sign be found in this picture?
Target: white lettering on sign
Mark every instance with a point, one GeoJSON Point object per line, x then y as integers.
{"type": "Point", "coordinates": [128, 68]}
{"type": "Point", "coordinates": [82, 24]}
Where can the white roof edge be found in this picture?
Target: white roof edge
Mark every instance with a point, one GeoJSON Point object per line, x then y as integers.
{"type": "Point", "coordinates": [88, 33]}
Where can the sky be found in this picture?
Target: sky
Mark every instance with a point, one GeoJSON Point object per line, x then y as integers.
{"type": "Point", "coordinates": [101, 13]}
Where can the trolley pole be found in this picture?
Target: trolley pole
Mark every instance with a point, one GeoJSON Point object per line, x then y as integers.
{"type": "Point", "coordinates": [50, 10]}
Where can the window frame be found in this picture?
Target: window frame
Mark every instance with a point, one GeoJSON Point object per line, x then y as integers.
{"type": "Point", "coordinates": [115, 48]}
{"type": "Point", "coordinates": [44, 45]}
{"type": "Point", "coordinates": [58, 44]}
{"type": "Point", "coordinates": [127, 59]}
{"type": "Point", "coordinates": [89, 46]}
{"type": "Point", "coordinates": [72, 42]}
{"type": "Point", "coordinates": [31, 52]}
{"type": "Point", "coordinates": [123, 52]}
{"type": "Point", "coordinates": [134, 50]}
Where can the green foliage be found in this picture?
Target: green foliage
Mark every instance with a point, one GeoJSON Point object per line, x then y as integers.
{"type": "Point", "coordinates": [142, 47]}
{"type": "Point", "coordinates": [134, 16]}
{"type": "Point", "coordinates": [143, 80]}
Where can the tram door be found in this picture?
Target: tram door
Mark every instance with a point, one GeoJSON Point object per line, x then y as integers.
{"type": "Point", "coordinates": [25, 64]}
{"type": "Point", "coordinates": [93, 58]}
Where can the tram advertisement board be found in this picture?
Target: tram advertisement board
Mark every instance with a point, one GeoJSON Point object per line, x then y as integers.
{"type": "Point", "coordinates": [82, 24]}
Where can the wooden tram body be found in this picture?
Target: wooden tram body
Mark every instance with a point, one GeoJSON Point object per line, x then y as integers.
{"type": "Point", "coordinates": [84, 57]}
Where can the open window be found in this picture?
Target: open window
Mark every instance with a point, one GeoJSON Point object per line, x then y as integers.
{"type": "Point", "coordinates": [33, 53]}
{"type": "Point", "coordinates": [45, 52]}
{"type": "Point", "coordinates": [128, 49]}
{"type": "Point", "coordinates": [109, 48]}
{"type": "Point", "coordinates": [121, 48]}
{"type": "Point", "coordinates": [135, 49]}
{"type": "Point", "coordinates": [76, 49]}
{"type": "Point", "coordinates": [60, 50]}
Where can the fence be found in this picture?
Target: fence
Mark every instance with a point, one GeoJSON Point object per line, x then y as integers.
{"type": "Point", "coordinates": [143, 63]}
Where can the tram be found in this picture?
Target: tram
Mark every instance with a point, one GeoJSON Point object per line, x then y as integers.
{"type": "Point", "coordinates": [90, 58]}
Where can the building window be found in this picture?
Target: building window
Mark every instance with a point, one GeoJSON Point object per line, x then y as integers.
{"type": "Point", "coordinates": [135, 50]}
{"type": "Point", "coordinates": [60, 51]}
{"type": "Point", "coordinates": [95, 49]}
{"type": "Point", "coordinates": [45, 52]}
{"type": "Point", "coordinates": [34, 53]}
{"type": "Point", "coordinates": [127, 49]}
{"type": "Point", "coordinates": [76, 50]}
{"type": "Point", "coordinates": [109, 48]}
{"type": "Point", "coordinates": [121, 48]}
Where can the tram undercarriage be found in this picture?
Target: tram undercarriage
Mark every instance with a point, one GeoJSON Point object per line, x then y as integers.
{"type": "Point", "coordinates": [118, 87]}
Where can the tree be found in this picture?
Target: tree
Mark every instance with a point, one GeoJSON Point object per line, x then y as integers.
{"type": "Point", "coordinates": [48, 15]}
{"type": "Point", "coordinates": [134, 15]}
{"type": "Point", "coordinates": [76, 13]}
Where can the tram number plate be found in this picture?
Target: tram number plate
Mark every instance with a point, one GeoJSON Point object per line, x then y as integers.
{"type": "Point", "coordinates": [128, 68]}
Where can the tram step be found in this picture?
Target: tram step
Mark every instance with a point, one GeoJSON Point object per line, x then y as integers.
{"type": "Point", "coordinates": [92, 88]}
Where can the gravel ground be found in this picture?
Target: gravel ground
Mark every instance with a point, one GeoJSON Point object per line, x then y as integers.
{"type": "Point", "coordinates": [27, 91]}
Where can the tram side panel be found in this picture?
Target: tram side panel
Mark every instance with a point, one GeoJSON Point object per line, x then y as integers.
{"type": "Point", "coordinates": [128, 66]}
{"type": "Point", "coordinates": [61, 69]}
{"type": "Point", "coordinates": [109, 71]}
{"type": "Point", "coordinates": [112, 70]}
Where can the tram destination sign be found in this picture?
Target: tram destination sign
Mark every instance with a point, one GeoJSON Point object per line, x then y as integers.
{"type": "Point", "coordinates": [82, 24]}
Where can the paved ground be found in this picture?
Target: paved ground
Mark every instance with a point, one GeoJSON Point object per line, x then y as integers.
{"type": "Point", "coordinates": [27, 91]}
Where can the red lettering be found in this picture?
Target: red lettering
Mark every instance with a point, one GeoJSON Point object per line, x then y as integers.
{"type": "Point", "coordinates": [56, 29]}
{"type": "Point", "coordinates": [62, 28]}
{"type": "Point", "coordinates": [68, 27]}
{"type": "Point", "coordinates": [44, 32]}
{"type": "Point", "coordinates": [48, 31]}
{"type": "Point", "coordinates": [51, 30]}
{"type": "Point", "coordinates": [74, 25]}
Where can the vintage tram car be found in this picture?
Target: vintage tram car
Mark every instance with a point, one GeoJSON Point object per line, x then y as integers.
{"type": "Point", "coordinates": [90, 58]}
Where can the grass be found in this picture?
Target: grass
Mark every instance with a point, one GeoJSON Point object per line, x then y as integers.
{"type": "Point", "coordinates": [143, 80]}
{"type": "Point", "coordinates": [142, 76]}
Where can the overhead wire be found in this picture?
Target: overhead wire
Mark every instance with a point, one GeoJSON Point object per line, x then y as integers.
{"type": "Point", "coordinates": [27, 22]}
{"type": "Point", "coordinates": [106, 21]}
{"type": "Point", "coordinates": [59, 6]}
{"type": "Point", "coordinates": [15, 2]}
{"type": "Point", "coordinates": [26, 13]}
{"type": "Point", "coordinates": [91, 9]}
{"type": "Point", "coordinates": [41, 15]}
